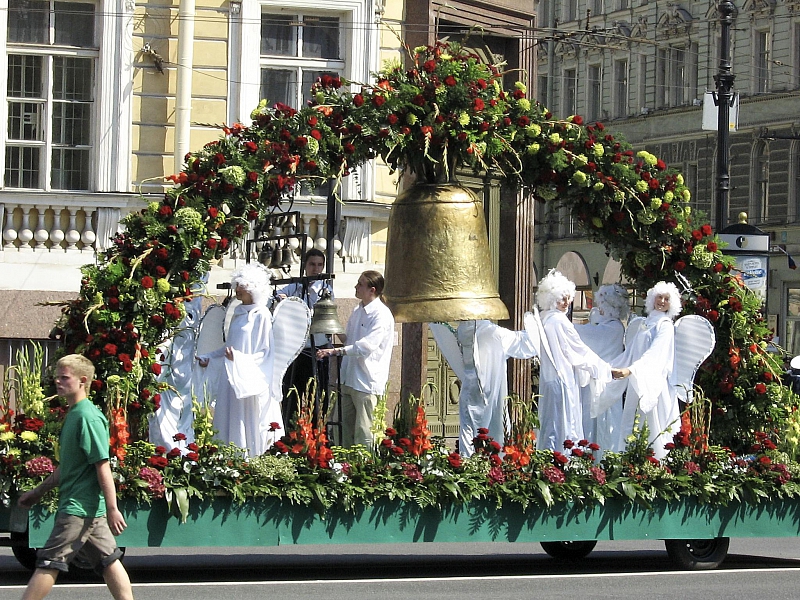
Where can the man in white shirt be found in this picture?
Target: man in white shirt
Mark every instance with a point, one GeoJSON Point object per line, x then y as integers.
{"type": "Point", "coordinates": [367, 353]}
{"type": "Point", "coordinates": [302, 370]}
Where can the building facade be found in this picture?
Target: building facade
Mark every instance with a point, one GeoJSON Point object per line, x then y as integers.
{"type": "Point", "coordinates": [103, 99]}
{"type": "Point", "coordinates": [644, 68]}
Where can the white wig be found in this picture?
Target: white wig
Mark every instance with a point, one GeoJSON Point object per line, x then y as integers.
{"type": "Point", "coordinates": [253, 278]}
{"type": "Point", "coordinates": [670, 289]}
{"type": "Point", "coordinates": [613, 301]}
{"type": "Point", "coordinates": [552, 288]}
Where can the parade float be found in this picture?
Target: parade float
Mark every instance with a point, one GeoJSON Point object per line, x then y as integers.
{"type": "Point", "coordinates": [732, 469]}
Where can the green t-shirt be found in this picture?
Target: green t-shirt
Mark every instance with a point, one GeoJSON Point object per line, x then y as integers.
{"type": "Point", "coordinates": [83, 442]}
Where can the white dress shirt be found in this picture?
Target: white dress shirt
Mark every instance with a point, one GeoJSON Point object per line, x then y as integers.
{"type": "Point", "coordinates": [370, 335]}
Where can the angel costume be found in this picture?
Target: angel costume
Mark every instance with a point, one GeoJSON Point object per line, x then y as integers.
{"type": "Point", "coordinates": [566, 366]}
{"type": "Point", "coordinates": [604, 336]}
{"type": "Point", "coordinates": [246, 401]}
{"type": "Point", "coordinates": [479, 361]}
{"type": "Point", "coordinates": [650, 357]}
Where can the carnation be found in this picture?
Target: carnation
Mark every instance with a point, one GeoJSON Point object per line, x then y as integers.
{"type": "Point", "coordinates": [36, 467]}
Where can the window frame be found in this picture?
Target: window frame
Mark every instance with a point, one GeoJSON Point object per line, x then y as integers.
{"type": "Point", "coordinates": [45, 146]}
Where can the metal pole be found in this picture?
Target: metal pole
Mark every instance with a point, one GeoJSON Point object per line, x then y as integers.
{"type": "Point", "coordinates": [724, 97]}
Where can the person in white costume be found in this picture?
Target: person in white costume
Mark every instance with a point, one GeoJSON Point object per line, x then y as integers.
{"type": "Point", "coordinates": [604, 334]}
{"type": "Point", "coordinates": [477, 352]}
{"type": "Point", "coordinates": [367, 354]}
{"type": "Point", "coordinates": [648, 362]}
{"type": "Point", "coordinates": [248, 411]}
{"type": "Point", "coordinates": [567, 364]}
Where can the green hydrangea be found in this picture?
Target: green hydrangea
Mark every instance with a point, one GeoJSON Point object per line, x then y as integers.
{"type": "Point", "coordinates": [598, 149]}
{"type": "Point", "coordinates": [579, 177]}
{"type": "Point", "coordinates": [189, 219]}
{"type": "Point", "coordinates": [233, 175]}
{"type": "Point", "coordinates": [554, 138]}
{"type": "Point", "coordinates": [463, 119]}
{"type": "Point", "coordinates": [313, 146]}
{"type": "Point", "coordinates": [547, 192]}
{"type": "Point", "coordinates": [162, 285]}
{"type": "Point", "coordinates": [646, 217]}
{"type": "Point", "coordinates": [668, 196]}
{"type": "Point", "coordinates": [640, 186]}
{"type": "Point", "coordinates": [533, 148]}
{"type": "Point", "coordinates": [655, 203]}
{"type": "Point", "coordinates": [649, 159]}
{"type": "Point", "coordinates": [687, 195]}
{"type": "Point", "coordinates": [701, 257]}
{"type": "Point", "coordinates": [642, 259]}
{"type": "Point", "coordinates": [580, 160]}
{"type": "Point", "coordinates": [521, 87]}
{"type": "Point", "coordinates": [598, 187]}
{"type": "Point", "coordinates": [534, 129]}
{"type": "Point", "coordinates": [524, 104]}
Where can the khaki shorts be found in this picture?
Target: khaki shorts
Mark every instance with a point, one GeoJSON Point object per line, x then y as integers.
{"type": "Point", "coordinates": [85, 541]}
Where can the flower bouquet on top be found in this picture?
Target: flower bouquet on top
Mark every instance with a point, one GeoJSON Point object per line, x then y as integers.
{"type": "Point", "coordinates": [447, 109]}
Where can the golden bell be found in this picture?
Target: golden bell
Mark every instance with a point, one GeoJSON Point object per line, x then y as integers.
{"type": "Point", "coordinates": [326, 317]}
{"type": "Point", "coordinates": [438, 265]}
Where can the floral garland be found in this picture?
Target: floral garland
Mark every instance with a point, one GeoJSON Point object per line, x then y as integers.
{"type": "Point", "coordinates": [446, 110]}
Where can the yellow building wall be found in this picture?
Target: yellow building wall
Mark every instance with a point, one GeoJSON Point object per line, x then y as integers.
{"type": "Point", "coordinates": [153, 128]}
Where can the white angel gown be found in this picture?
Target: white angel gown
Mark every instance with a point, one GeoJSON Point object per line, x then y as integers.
{"type": "Point", "coordinates": [650, 356]}
{"type": "Point", "coordinates": [246, 403]}
{"type": "Point", "coordinates": [605, 338]}
{"type": "Point", "coordinates": [567, 366]}
{"type": "Point", "coordinates": [484, 386]}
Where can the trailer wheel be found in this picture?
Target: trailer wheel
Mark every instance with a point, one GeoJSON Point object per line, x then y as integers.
{"type": "Point", "coordinates": [569, 550]}
{"type": "Point", "coordinates": [19, 546]}
{"type": "Point", "coordinates": [698, 555]}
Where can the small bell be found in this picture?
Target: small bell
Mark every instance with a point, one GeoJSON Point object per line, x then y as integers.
{"type": "Point", "coordinates": [286, 258]}
{"type": "Point", "coordinates": [265, 254]}
{"type": "Point", "coordinates": [277, 258]}
{"type": "Point", "coordinates": [326, 317]}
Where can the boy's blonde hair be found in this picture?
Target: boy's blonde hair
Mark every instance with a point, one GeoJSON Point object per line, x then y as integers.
{"type": "Point", "coordinates": [79, 365]}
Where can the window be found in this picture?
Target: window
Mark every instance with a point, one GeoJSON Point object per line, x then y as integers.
{"type": "Point", "coordinates": [642, 96]}
{"type": "Point", "coordinates": [596, 7]}
{"type": "Point", "coordinates": [50, 94]}
{"type": "Point", "coordinates": [571, 10]}
{"type": "Point", "coordinates": [761, 58]}
{"type": "Point", "coordinates": [792, 341]}
{"type": "Point", "coordinates": [541, 90]}
{"type": "Point", "coordinates": [295, 51]}
{"type": "Point", "coordinates": [594, 92]}
{"type": "Point", "coordinates": [759, 192]}
{"type": "Point", "coordinates": [570, 96]}
{"type": "Point", "coordinates": [620, 88]}
{"type": "Point", "coordinates": [676, 75]}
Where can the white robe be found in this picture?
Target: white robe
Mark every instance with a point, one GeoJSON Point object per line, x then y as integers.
{"type": "Point", "coordinates": [650, 358]}
{"type": "Point", "coordinates": [605, 338]}
{"type": "Point", "coordinates": [484, 388]}
{"type": "Point", "coordinates": [569, 366]}
{"type": "Point", "coordinates": [246, 404]}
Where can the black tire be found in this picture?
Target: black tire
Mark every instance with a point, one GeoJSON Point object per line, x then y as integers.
{"type": "Point", "coordinates": [698, 555]}
{"type": "Point", "coordinates": [19, 546]}
{"type": "Point", "coordinates": [569, 550]}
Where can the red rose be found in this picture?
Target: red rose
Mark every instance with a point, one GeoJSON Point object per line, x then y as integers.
{"type": "Point", "coordinates": [316, 134]}
{"type": "Point", "coordinates": [454, 458]}
{"type": "Point", "coordinates": [312, 121]}
{"type": "Point", "coordinates": [706, 229]}
{"type": "Point", "coordinates": [478, 104]}
{"type": "Point", "coordinates": [147, 282]}
{"type": "Point", "coordinates": [192, 447]}
{"type": "Point", "coordinates": [378, 100]}
{"type": "Point", "coordinates": [97, 385]}
{"type": "Point", "coordinates": [193, 456]}
{"type": "Point", "coordinates": [450, 81]}
{"type": "Point", "coordinates": [174, 453]}
{"type": "Point", "coordinates": [156, 368]}
{"type": "Point", "coordinates": [145, 394]}
{"type": "Point", "coordinates": [577, 119]}
{"type": "Point", "coordinates": [711, 246]}
{"type": "Point", "coordinates": [165, 211]}
{"type": "Point", "coordinates": [761, 388]}
{"type": "Point", "coordinates": [679, 265]}
{"type": "Point", "coordinates": [718, 267]}
{"type": "Point", "coordinates": [211, 243]}
{"type": "Point", "coordinates": [110, 349]}
{"type": "Point", "coordinates": [156, 320]}
{"type": "Point", "coordinates": [159, 462]}
{"type": "Point", "coordinates": [195, 253]}
{"type": "Point", "coordinates": [697, 235]}
{"type": "Point", "coordinates": [213, 211]}
{"type": "Point", "coordinates": [160, 271]}
{"type": "Point", "coordinates": [179, 437]}
{"type": "Point", "coordinates": [429, 66]}
{"type": "Point", "coordinates": [358, 100]}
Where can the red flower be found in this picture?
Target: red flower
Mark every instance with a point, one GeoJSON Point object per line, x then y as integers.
{"type": "Point", "coordinates": [478, 104]}
{"type": "Point", "coordinates": [679, 265]}
{"type": "Point", "coordinates": [193, 456]}
{"type": "Point", "coordinates": [156, 320]}
{"type": "Point", "coordinates": [192, 447]}
{"type": "Point", "coordinates": [179, 437]}
{"type": "Point", "coordinates": [110, 349]}
{"type": "Point", "coordinates": [697, 235]}
{"type": "Point", "coordinates": [195, 253]}
{"type": "Point", "coordinates": [156, 368]}
{"type": "Point", "coordinates": [174, 453]}
{"type": "Point", "coordinates": [378, 100]}
{"type": "Point", "coordinates": [274, 426]}
{"type": "Point", "coordinates": [706, 229]}
{"type": "Point", "coordinates": [429, 66]}
{"type": "Point", "coordinates": [165, 211]}
{"type": "Point", "coordinates": [711, 246]}
{"type": "Point", "coordinates": [159, 462]}
{"type": "Point", "coordinates": [761, 388]}
{"type": "Point", "coordinates": [450, 81]}
{"type": "Point", "coordinates": [358, 100]}
{"type": "Point", "coordinates": [213, 211]}
{"type": "Point", "coordinates": [211, 243]}
{"type": "Point", "coordinates": [568, 444]}
{"type": "Point", "coordinates": [147, 282]}
{"type": "Point", "coordinates": [454, 458]}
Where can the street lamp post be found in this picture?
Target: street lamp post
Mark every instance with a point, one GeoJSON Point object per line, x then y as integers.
{"type": "Point", "coordinates": [724, 97]}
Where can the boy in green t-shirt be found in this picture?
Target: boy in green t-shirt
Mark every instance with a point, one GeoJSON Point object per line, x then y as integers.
{"type": "Point", "coordinates": [88, 517]}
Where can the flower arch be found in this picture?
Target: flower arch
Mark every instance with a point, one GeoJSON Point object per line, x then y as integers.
{"type": "Point", "coordinates": [446, 109]}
